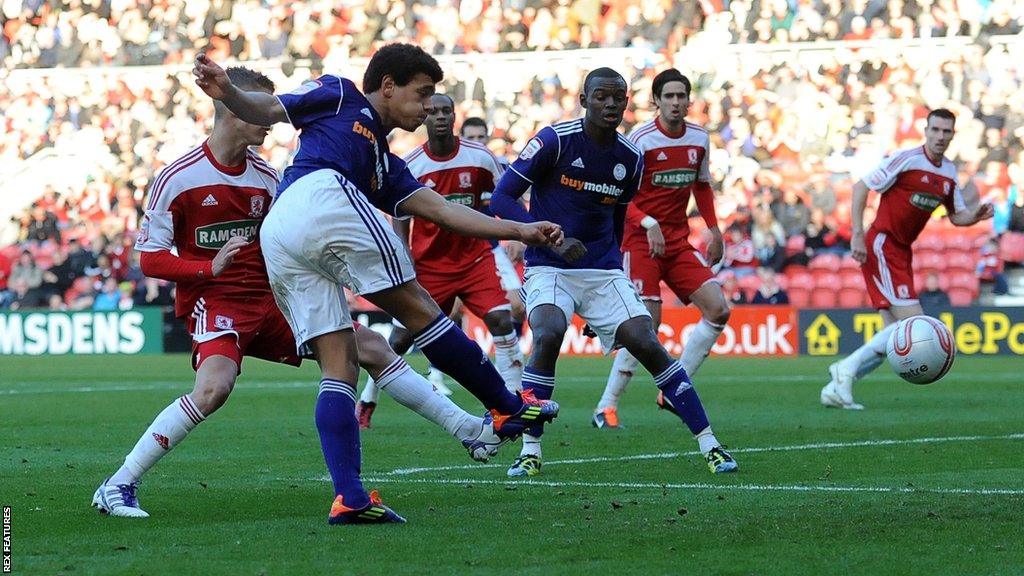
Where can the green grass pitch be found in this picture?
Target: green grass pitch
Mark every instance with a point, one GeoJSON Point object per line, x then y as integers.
{"type": "Point", "coordinates": [928, 480]}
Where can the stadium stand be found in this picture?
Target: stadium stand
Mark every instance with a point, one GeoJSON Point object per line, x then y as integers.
{"type": "Point", "coordinates": [98, 97]}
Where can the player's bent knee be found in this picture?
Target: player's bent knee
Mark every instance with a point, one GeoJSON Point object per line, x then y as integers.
{"type": "Point", "coordinates": [400, 340]}
{"type": "Point", "coordinates": [499, 322]}
{"type": "Point", "coordinates": [719, 313]}
{"type": "Point", "coordinates": [214, 383]}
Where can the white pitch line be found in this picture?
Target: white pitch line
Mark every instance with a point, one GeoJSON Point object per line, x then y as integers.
{"type": "Point", "coordinates": [752, 450]}
{"type": "Point", "coordinates": [168, 385]}
{"type": "Point", "coordinates": [112, 386]}
{"type": "Point", "coordinates": [704, 486]}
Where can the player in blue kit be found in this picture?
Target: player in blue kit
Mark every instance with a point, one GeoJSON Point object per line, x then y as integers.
{"type": "Point", "coordinates": [583, 174]}
{"type": "Point", "coordinates": [324, 231]}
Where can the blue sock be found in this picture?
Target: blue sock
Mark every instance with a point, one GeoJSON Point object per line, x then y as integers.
{"type": "Point", "coordinates": [542, 383]}
{"type": "Point", "coordinates": [675, 383]}
{"type": "Point", "coordinates": [339, 439]}
{"type": "Point", "coordinates": [452, 352]}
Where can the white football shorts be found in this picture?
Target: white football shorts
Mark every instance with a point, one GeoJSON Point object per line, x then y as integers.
{"type": "Point", "coordinates": [322, 234]}
{"type": "Point", "coordinates": [603, 298]}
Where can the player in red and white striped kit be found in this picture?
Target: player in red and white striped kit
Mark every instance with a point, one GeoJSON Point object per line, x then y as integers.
{"type": "Point", "coordinates": [913, 183]}
{"type": "Point", "coordinates": [656, 245]}
{"type": "Point", "coordinates": [208, 206]}
{"type": "Point", "coordinates": [450, 266]}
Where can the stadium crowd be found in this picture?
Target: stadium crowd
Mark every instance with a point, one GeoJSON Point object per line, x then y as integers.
{"type": "Point", "coordinates": [783, 178]}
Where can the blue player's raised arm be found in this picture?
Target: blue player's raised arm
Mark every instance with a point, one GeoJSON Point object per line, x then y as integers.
{"type": "Point", "coordinates": [538, 157]}
{"type": "Point", "coordinates": [251, 106]}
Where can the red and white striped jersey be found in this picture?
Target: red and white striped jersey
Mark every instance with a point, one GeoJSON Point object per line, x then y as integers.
{"type": "Point", "coordinates": [912, 187]}
{"type": "Point", "coordinates": [466, 176]}
{"type": "Point", "coordinates": [195, 205]}
{"type": "Point", "coordinates": [673, 164]}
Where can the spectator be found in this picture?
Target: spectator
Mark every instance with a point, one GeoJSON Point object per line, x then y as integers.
{"type": "Point", "coordinates": [771, 254]}
{"type": "Point", "coordinates": [1015, 201]}
{"type": "Point", "coordinates": [933, 297]}
{"type": "Point", "coordinates": [42, 227]}
{"type": "Point", "coordinates": [731, 289]}
{"type": "Point", "coordinates": [791, 213]}
{"type": "Point", "coordinates": [23, 297]}
{"type": "Point", "coordinates": [990, 268]}
{"type": "Point", "coordinates": [25, 269]}
{"type": "Point", "coordinates": [109, 296]}
{"type": "Point", "coordinates": [5, 270]}
{"type": "Point", "coordinates": [739, 254]}
{"type": "Point", "coordinates": [769, 292]}
{"type": "Point", "coordinates": [153, 292]}
{"type": "Point", "coordinates": [78, 258]}
{"type": "Point", "coordinates": [59, 277]}
{"type": "Point", "coordinates": [55, 303]}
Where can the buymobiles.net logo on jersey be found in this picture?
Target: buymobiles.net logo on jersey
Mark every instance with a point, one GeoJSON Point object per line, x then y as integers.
{"type": "Point", "coordinates": [215, 236]}
{"type": "Point", "coordinates": [606, 189]}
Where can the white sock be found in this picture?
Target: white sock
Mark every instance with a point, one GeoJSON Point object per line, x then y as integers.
{"type": "Point", "coordinates": [623, 368]}
{"type": "Point", "coordinates": [509, 361]}
{"type": "Point", "coordinates": [871, 363]}
{"type": "Point", "coordinates": [870, 354]}
{"type": "Point", "coordinates": [414, 392]}
{"type": "Point", "coordinates": [706, 440]}
{"type": "Point", "coordinates": [531, 445]}
{"type": "Point", "coordinates": [370, 391]}
{"type": "Point", "coordinates": [699, 344]}
{"type": "Point", "coordinates": [168, 429]}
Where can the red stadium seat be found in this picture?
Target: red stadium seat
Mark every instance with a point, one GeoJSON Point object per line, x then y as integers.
{"type": "Point", "coordinates": [851, 279]}
{"type": "Point", "coordinates": [782, 280]}
{"type": "Point", "coordinates": [930, 242]}
{"type": "Point", "coordinates": [961, 242]}
{"type": "Point", "coordinates": [801, 280]}
{"type": "Point", "coordinates": [979, 241]}
{"type": "Point", "coordinates": [749, 284]}
{"type": "Point", "coordinates": [828, 262]}
{"type": "Point", "coordinates": [960, 296]}
{"type": "Point", "coordinates": [848, 263]}
{"type": "Point", "coordinates": [825, 278]}
{"type": "Point", "coordinates": [965, 280]}
{"type": "Point", "coordinates": [851, 298]}
{"type": "Point", "coordinates": [799, 297]}
{"type": "Point", "coordinates": [929, 261]}
{"type": "Point", "coordinates": [823, 298]}
{"type": "Point", "coordinates": [957, 260]}
{"type": "Point", "coordinates": [1011, 247]}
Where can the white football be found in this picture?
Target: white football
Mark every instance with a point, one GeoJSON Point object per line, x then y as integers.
{"type": "Point", "coordinates": [921, 349]}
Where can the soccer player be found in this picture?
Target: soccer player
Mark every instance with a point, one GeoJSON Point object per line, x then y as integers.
{"type": "Point", "coordinates": [208, 205]}
{"type": "Point", "coordinates": [451, 267]}
{"type": "Point", "coordinates": [913, 183]}
{"type": "Point", "coordinates": [475, 129]}
{"type": "Point", "coordinates": [656, 247]}
{"type": "Point", "coordinates": [583, 174]}
{"type": "Point", "coordinates": [325, 233]}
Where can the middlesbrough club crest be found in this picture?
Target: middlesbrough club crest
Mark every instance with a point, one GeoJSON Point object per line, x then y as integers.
{"type": "Point", "coordinates": [465, 180]}
{"type": "Point", "coordinates": [256, 206]}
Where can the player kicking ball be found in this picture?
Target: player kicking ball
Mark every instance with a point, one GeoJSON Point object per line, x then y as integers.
{"type": "Point", "coordinates": [208, 205]}
{"type": "Point", "coordinates": [451, 267]}
{"type": "Point", "coordinates": [584, 174]}
{"type": "Point", "coordinates": [325, 232]}
{"type": "Point", "coordinates": [656, 247]}
{"type": "Point", "coordinates": [913, 183]}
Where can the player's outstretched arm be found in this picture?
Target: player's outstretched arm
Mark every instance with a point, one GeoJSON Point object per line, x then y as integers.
{"type": "Point", "coordinates": [254, 107]}
{"type": "Point", "coordinates": [858, 249]}
{"type": "Point", "coordinates": [969, 209]}
{"type": "Point", "coordinates": [425, 203]}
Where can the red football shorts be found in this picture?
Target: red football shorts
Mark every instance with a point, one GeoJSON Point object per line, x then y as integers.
{"type": "Point", "coordinates": [888, 271]}
{"type": "Point", "coordinates": [478, 286]}
{"type": "Point", "coordinates": [684, 271]}
{"type": "Point", "coordinates": [229, 327]}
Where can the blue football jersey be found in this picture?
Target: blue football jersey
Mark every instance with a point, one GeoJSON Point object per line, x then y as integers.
{"type": "Point", "coordinates": [578, 185]}
{"type": "Point", "coordinates": [340, 130]}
